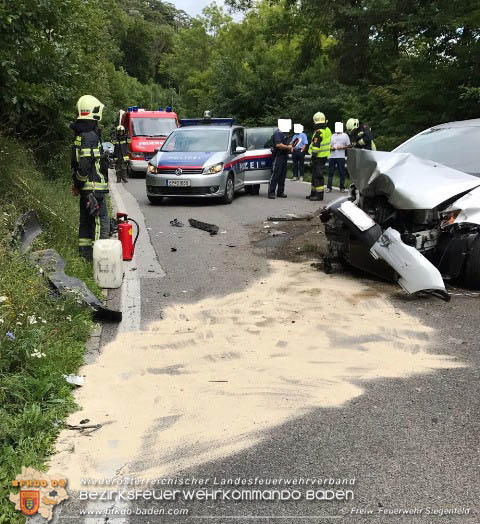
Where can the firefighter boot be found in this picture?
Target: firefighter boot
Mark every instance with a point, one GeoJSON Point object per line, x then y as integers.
{"type": "Point", "coordinates": [317, 196]}
{"type": "Point", "coordinates": [312, 194]}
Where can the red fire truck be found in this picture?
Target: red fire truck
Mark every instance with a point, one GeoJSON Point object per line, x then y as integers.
{"type": "Point", "coordinates": [147, 131]}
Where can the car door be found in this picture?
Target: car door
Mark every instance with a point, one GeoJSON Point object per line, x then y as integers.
{"type": "Point", "coordinates": [238, 140]}
{"type": "Point", "coordinates": [258, 157]}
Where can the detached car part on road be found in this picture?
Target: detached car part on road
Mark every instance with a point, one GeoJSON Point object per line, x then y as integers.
{"type": "Point", "coordinates": [413, 219]}
{"type": "Point", "coordinates": [210, 158]}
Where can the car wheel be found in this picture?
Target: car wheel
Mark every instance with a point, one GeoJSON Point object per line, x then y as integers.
{"type": "Point", "coordinates": [229, 195]}
{"type": "Point", "coordinates": [248, 190]}
{"type": "Point", "coordinates": [155, 200]}
{"type": "Point", "coordinates": [256, 189]}
{"type": "Point", "coordinates": [472, 267]}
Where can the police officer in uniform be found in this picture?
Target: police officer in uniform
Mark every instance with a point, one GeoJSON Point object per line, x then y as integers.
{"type": "Point", "coordinates": [319, 149]}
{"type": "Point", "coordinates": [120, 154]}
{"type": "Point", "coordinates": [281, 149]}
{"type": "Point", "coordinates": [90, 175]}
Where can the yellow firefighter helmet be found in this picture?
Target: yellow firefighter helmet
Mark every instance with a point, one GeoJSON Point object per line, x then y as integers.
{"type": "Point", "coordinates": [89, 108]}
{"type": "Point", "coordinates": [319, 118]}
{"type": "Point", "coordinates": [352, 123]}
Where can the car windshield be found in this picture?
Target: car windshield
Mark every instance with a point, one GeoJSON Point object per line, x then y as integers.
{"type": "Point", "coordinates": [260, 138]}
{"type": "Point", "coordinates": [153, 126]}
{"type": "Point", "coordinates": [197, 141]}
{"type": "Point", "coordinates": [456, 147]}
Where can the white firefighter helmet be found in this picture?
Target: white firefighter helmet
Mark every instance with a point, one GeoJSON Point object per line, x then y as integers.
{"type": "Point", "coordinates": [319, 118]}
{"type": "Point", "coordinates": [89, 108]}
{"type": "Point", "coordinates": [120, 129]}
{"type": "Point", "coordinates": [352, 123]}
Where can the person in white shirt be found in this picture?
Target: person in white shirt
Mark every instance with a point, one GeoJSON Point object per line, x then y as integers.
{"type": "Point", "coordinates": [339, 143]}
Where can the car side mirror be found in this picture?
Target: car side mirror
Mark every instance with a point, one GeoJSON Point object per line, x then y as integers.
{"type": "Point", "coordinates": [240, 150]}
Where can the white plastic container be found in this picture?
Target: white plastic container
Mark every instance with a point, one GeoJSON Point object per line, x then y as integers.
{"type": "Point", "coordinates": [108, 263]}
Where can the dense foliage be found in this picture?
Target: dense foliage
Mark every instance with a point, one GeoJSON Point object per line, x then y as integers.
{"type": "Point", "coordinates": [401, 66]}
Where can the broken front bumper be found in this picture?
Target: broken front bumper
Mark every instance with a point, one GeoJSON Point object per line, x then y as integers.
{"type": "Point", "coordinates": [414, 272]}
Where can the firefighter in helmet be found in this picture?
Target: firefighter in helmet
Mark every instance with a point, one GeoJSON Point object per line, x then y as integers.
{"type": "Point", "coordinates": [360, 134]}
{"type": "Point", "coordinates": [319, 150]}
{"type": "Point", "coordinates": [121, 154]}
{"type": "Point", "coordinates": [89, 175]}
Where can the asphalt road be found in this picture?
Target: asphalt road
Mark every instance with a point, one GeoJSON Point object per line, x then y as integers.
{"type": "Point", "coordinates": [408, 443]}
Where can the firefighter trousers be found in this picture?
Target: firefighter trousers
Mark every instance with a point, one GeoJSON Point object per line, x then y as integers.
{"type": "Point", "coordinates": [91, 227]}
{"type": "Point", "coordinates": [318, 176]}
{"type": "Point", "coordinates": [121, 171]}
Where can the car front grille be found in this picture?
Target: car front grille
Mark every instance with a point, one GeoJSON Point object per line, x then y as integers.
{"type": "Point", "coordinates": [165, 191]}
{"type": "Point", "coordinates": [185, 171]}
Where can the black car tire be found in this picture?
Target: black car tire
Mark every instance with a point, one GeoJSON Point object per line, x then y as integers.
{"type": "Point", "coordinates": [229, 195]}
{"type": "Point", "coordinates": [472, 266]}
{"type": "Point", "coordinates": [256, 189]}
{"type": "Point", "coordinates": [155, 200]}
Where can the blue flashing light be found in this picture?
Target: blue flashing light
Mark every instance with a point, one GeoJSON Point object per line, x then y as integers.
{"type": "Point", "coordinates": [168, 109]}
{"type": "Point", "coordinates": [160, 108]}
{"type": "Point", "coordinates": [184, 122]}
{"type": "Point", "coordinates": [130, 109]}
{"type": "Point", "coordinates": [135, 109]}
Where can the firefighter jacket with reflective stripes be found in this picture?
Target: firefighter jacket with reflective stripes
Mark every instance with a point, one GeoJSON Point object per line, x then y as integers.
{"type": "Point", "coordinates": [362, 138]}
{"type": "Point", "coordinates": [320, 144]}
{"type": "Point", "coordinates": [89, 166]}
{"type": "Point", "coordinates": [120, 152]}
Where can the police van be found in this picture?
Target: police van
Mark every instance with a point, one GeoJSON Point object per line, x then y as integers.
{"type": "Point", "coordinates": [210, 158]}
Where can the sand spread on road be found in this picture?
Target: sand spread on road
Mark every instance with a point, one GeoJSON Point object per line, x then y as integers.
{"type": "Point", "coordinates": [217, 376]}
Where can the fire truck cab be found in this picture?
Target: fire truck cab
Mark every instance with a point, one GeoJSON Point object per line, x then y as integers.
{"type": "Point", "coordinates": [147, 131]}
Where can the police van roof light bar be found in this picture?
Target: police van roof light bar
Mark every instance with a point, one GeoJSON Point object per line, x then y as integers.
{"type": "Point", "coordinates": [185, 122]}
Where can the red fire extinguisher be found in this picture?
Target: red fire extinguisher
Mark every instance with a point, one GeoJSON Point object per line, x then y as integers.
{"type": "Point", "coordinates": [125, 235]}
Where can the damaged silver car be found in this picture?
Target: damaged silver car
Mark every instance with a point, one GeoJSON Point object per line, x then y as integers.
{"type": "Point", "coordinates": [413, 215]}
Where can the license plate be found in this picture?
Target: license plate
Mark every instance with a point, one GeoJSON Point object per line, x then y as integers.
{"type": "Point", "coordinates": [178, 183]}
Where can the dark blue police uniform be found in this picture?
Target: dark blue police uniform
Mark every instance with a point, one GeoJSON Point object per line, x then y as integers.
{"type": "Point", "coordinates": [280, 159]}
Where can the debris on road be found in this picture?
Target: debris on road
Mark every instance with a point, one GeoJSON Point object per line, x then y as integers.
{"type": "Point", "coordinates": [277, 233]}
{"type": "Point", "coordinates": [54, 267]}
{"type": "Point", "coordinates": [176, 223]}
{"type": "Point", "coordinates": [27, 229]}
{"type": "Point", "coordinates": [90, 426]}
{"type": "Point", "coordinates": [173, 249]}
{"type": "Point", "coordinates": [289, 218]}
{"type": "Point", "coordinates": [75, 380]}
{"type": "Point", "coordinates": [204, 226]}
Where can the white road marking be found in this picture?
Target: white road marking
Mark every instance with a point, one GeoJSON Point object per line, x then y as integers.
{"type": "Point", "coordinates": [144, 261]}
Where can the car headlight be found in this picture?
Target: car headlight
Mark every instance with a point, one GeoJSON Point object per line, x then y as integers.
{"type": "Point", "coordinates": [152, 169]}
{"type": "Point", "coordinates": [213, 170]}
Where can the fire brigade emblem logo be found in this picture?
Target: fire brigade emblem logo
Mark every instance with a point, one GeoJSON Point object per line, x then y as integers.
{"type": "Point", "coordinates": [178, 171]}
{"type": "Point", "coordinates": [39, 493]}
{"type": "Point", "coordinates": [29, 501]}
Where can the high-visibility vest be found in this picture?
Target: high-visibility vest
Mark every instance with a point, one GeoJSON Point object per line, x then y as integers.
{"type": "Point", "coordinates": [320, 145]}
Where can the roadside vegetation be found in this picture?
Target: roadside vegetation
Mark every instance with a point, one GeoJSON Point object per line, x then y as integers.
{"type": "Point", "coordinates": [400, 66]}
{"type": "Point", "coordinates": [42, 337]}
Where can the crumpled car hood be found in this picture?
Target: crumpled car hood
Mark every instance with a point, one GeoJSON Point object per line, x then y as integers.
{"type": "Point", "coordinates": [409, 182]}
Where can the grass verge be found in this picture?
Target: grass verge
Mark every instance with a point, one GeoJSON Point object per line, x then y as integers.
{"type": "Point", "coordinates": [41, 337]}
